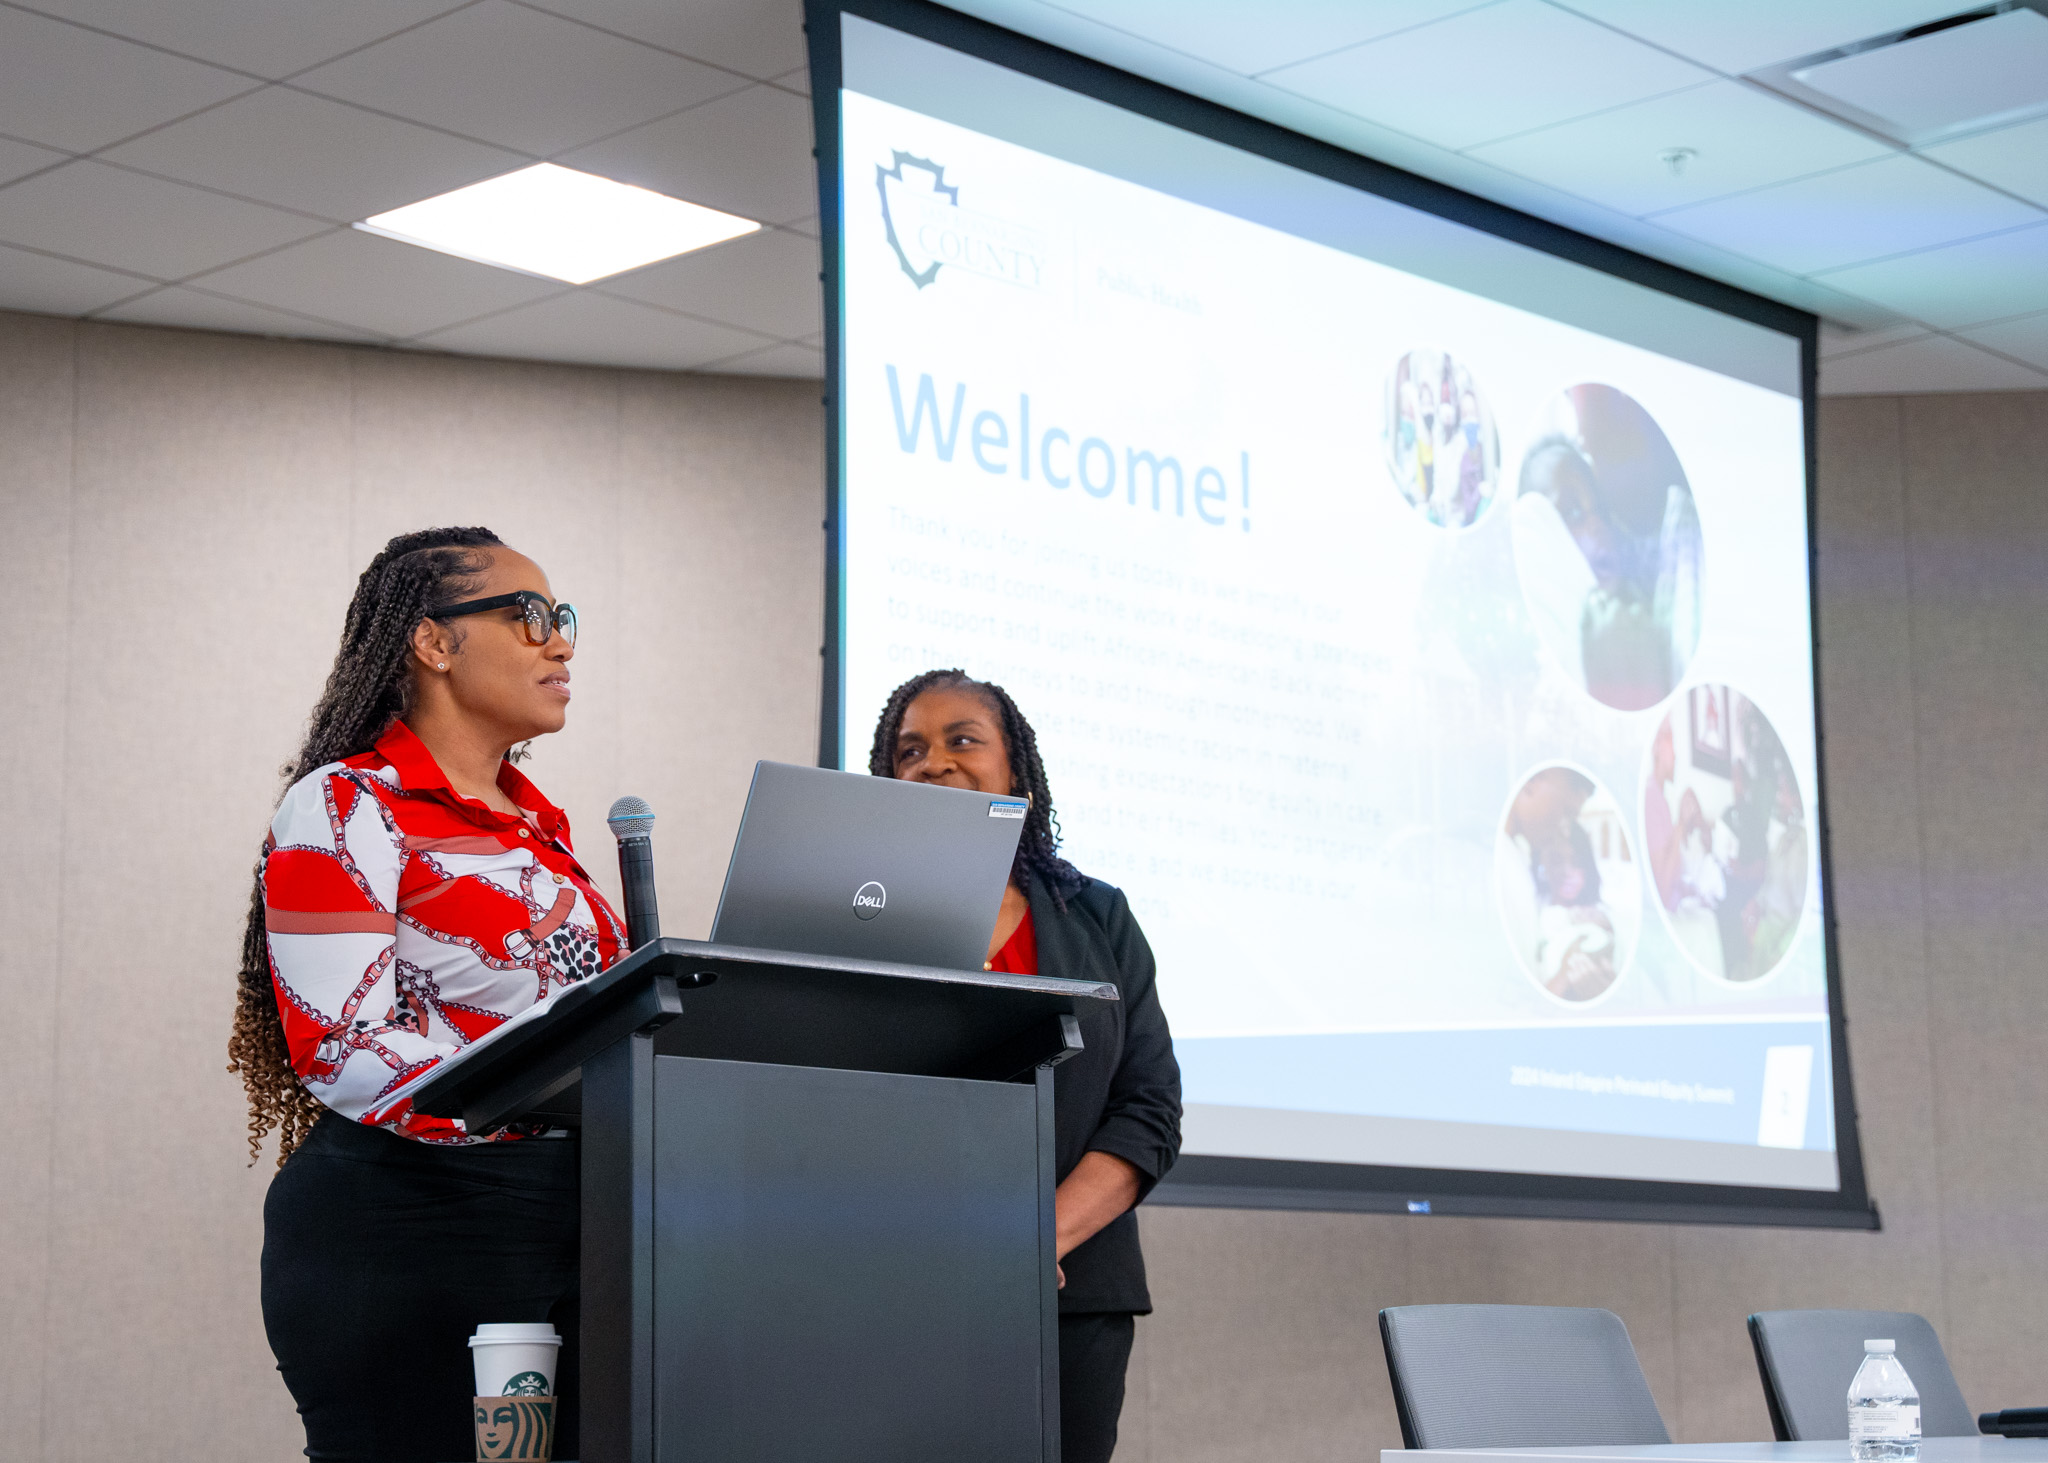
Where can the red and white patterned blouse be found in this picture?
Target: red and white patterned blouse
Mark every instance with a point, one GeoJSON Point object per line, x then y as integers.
{"type": "Point", "coordinates": [406, 920]}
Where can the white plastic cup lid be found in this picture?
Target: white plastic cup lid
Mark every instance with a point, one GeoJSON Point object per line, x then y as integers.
{"type": "Point", "coordinates": [528, 1333]}
{"type": "Point", "coordinates": [1880, 1346]}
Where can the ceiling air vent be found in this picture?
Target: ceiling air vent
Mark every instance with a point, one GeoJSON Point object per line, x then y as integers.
{"type": "Point", "coordinates": [1984, 68]}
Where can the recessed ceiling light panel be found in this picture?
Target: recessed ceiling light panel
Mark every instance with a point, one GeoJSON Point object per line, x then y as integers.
{"type": "Point", "coordinates": [558, 223]}
{"type": "Point", "coordinates": [1981, 69]}
{"type": "Point", "coordinates": [1967, 74]}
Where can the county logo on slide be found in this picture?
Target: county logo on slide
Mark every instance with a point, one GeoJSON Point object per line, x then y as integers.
{"type": "Point", "coordinates": [929, 231]}
{"type": "Point", "coordinates": [869, 900]}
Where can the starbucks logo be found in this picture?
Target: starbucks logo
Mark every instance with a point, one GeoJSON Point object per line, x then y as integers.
{"type": "Point", "coordinates": [527, 1384]}
{"type": "Point", "coordinates": [517, 1429]}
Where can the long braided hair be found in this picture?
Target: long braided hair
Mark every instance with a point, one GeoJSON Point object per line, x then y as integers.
{"type": "Point", "coordinates": [1038, 847]}
{"type": "Point", "coordinates": [369, 688]}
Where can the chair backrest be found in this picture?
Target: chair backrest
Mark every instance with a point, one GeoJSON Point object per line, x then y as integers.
{"type": "Point", "coordinates": [1807, 1359]}
{"type": "Point", "coordinates": [1516, 1376]}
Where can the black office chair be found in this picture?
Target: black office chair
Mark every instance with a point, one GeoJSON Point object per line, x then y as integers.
{"type": "Point", "coordinates": [1516, 1376]}
{"type": "Point", "coordinates": [1808, 1358]}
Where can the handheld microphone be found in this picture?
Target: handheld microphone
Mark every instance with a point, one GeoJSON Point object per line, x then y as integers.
{"type": "Point", "coordinates": [632, 823]}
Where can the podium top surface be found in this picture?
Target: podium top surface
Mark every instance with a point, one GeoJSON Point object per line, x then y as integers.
{"type": "Point", "coordinates": [783, 1007]}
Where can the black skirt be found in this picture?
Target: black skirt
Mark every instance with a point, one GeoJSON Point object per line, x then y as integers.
{"type": "Point", "coordinates": [382, 1255]}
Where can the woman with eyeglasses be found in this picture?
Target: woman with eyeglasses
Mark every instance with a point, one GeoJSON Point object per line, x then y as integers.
{"type": "Point", "coordinates": [415, 892]}
{"type": "Point", "coordinates": [1116, 1104]}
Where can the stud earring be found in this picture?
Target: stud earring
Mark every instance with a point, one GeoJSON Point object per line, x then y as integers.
{"type": "Point", "coordinates": [442, 666]}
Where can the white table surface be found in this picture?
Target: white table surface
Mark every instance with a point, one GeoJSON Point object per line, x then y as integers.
{"type": "Point", "coordinates": [1932, 1450]}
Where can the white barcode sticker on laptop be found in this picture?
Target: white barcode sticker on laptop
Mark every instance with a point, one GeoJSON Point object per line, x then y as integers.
{"type": "Point", "coordinates": [1007, 810]}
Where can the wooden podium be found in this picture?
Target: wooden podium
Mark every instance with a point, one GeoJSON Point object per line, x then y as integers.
{"type": "Point", "coordinates": [817, 1201]}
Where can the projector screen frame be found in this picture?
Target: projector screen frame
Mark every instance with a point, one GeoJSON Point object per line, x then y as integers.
{"type": "Point", "coordinates": [1201, 1180]}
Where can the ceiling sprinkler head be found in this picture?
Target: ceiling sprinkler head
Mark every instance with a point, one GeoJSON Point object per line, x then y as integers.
{"type": "Point", "coordinates": [1678, 159]}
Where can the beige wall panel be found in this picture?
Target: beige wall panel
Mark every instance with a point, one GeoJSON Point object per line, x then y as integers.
{"type": "Point", "coordinates": [722, 561]}
{"type": "Point", "coordinates": [1875, 813]}
{"type": "Point", "coordinates": [36, 395]}
{"type": "Point", "coordinates": [1265, 1341]}
{"type": "Point", "coordinates": [532, 453]}
{"type": "Point", "coordinates": [208, 470]}
{"type": "Point", "coordinates": [1724, 1274]}
{"type": "Point", "coordinates": [1977, 491]}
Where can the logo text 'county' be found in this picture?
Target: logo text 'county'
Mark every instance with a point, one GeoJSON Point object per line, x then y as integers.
{"type": "Point", "coordinates": [927, 228]}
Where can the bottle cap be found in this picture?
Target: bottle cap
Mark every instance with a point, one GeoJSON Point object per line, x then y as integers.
{"type": "Point", "coordinates": [1880, 1346]}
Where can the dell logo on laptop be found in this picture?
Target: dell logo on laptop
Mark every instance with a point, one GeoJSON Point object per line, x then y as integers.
{"type": "Point", "coordinates": [869, 899]}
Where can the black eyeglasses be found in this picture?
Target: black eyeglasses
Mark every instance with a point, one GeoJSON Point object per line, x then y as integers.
{"type": "Point", "coordinates": [540, 619]}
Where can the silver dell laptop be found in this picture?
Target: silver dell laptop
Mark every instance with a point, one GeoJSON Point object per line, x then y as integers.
{"type": "Point", "coordinates": [841, 863]}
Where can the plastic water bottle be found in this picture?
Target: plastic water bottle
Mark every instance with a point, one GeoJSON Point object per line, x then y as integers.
{"type": "Point", "coordinates": [1884, 1408]}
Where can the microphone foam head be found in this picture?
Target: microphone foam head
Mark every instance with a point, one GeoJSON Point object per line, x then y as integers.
{"type": "Point", "coordinates": [631, 817]}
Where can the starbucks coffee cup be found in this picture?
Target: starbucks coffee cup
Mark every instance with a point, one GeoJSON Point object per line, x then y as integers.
{"type": "Point", "coordinates": [516, 1359]}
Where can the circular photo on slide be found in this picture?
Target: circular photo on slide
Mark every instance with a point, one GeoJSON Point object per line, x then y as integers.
{"type": "Point", "coordinates": [1440, 440]}
{"type": "Point", "coordinates": [1607, 546]}
{"type": "Point", "coordinates": [1566, 877]}
{"type": "Point", "coordinates": [1724, 830]}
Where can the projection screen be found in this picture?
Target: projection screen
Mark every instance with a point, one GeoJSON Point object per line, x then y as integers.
{"type": "Point", "coordinates": [1414, 603]}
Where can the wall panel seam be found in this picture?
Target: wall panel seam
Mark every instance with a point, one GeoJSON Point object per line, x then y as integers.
{"type": "Point", "coordinates": [62, 773]}
{"type": "Point", "coordinates": [1900, 430]}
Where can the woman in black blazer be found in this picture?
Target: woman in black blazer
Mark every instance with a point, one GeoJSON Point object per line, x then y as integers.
{"type": "Point", "coordinates": [1116, 1106]}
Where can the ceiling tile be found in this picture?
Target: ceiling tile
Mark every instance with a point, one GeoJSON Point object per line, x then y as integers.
{"type": "Point", "coordinates": [518, 78]}
{"type": "Point", "coordinates": [305, 152]}
{"type": "Point", "coordinates": [766, 282]}
{"type": "Point", "coordinates": [252, 35]}
{"type": "Point", "coordinates": [1957, 77]}
{"type": "Point", "coordinates": [1742, 35]}
{"type": "Point", "coordinates": [378, 284]}
{"type": "Point", "coordinates": [787, 359]}
{"type": "Point", "coordinates": [1488, 73]}
{"type": "Point", "coordinates": [758, 39]}
{"type": "Point", "coordinates": [69, 88]}
{"type": "Point", "coordinates": [1963, 284]}
{"type": "Point", "coordinates": [1836, 308]}
{"type": "Point", "coordinates": [1055, 25]}
{"type": "Point", "coordinates": [1836, 340]}
{"type": "Point", "coordinates": [2025, 338]}
{"type": "Point", "coordinates": [1741, 139]}
{"type": "Point", "coordinates": [1249, 39]}
{"type": "Point", "coordinates": [749, 153]}
{"type": "Point", "coordinates": [1459, 170]}
{"type": "Point", "coordinates": [196, 310]}
{"type": "Point", "coordinates": [2012, 158]}
{"type": "Point", "coordinates": [797, 80]}
{"type": "Point", "coordinates": [47, 286]}
{"type": "Point", "coordinates": [19, 159]}
{"type": "Point", "coordinates": [596, 330]}
{"type": "Point", "coordinates": [107, 215]}
{"type": "Point", "coordinates": [1932, 363]}
{"type": "Point", "coordinates": [1869, 211]}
